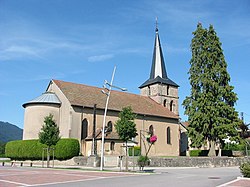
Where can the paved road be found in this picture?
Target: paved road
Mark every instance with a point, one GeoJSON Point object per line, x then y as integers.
{"type": "Point", "coordinates": [173, 177]}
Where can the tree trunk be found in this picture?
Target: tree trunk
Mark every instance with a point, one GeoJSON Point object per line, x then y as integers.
{"type": "Point", "coordinates": [48, 156]}
{"type": "Point", "coordinates": [211, 152]}
{"type": "Point", "coordinates": [126, 157]}
{"type": "Point", "coordinates": [219, 154]}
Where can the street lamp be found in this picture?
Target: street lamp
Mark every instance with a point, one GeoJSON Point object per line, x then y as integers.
{"type": "Point", "coordinates": [105, 111]}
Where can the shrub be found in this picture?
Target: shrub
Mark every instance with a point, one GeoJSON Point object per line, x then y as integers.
{"type": "Point", "coordinates": [143, 159]}
{"type": "Point", "coordinates": [33, 150]}
{"type": "Point", "coordinates": [198, 152]}
{"type": "Point", "coordinates": [137, 151]}
{"type": "Point", "coordinates": [245, 169]}
{"type": "Point", "coordinates": [24, 150]}
{"type": "Point", "coordinates": [67, 148]}
{"type": "Point", "coordinates": [205, 153]}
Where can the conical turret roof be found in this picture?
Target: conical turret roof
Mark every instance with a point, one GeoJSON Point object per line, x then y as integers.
{"type": "Point", "coordinates": [45, 98]}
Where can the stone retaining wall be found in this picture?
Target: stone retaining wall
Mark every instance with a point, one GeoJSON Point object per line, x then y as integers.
{"type": "Point", "coordinates": [198, 161]}
{"type": "Point", "coordinates": [154, 162]}
{"type": "Point", "coordinates": [174, 162]}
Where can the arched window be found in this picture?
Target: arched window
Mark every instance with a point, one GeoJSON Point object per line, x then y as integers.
{"type": "Point", "coordinates": [84, 130]}
{"type": "Point", "coordinates": [109, 126]}
{"type": "Point", "coordinates": [168, 90]}
{"type": "Point", "coordinates": [112, 146]}
{"type": "Point", "coordinates": [165, 102]}
{"type": "Point", "coordinates": [151, 130]}
{"type": "Point", "coordinates": [171, 106]}
{"type": "Point", "coordinates": [168, 136]}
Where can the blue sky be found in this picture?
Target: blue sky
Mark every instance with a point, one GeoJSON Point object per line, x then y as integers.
{"type": "Point", "coordinates": [81, 41]}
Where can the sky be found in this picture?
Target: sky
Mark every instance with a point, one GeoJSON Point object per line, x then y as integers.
{"type": "Point", "coordinates": [81, 41]}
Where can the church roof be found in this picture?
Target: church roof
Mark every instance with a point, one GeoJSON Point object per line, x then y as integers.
{"type": "Point", "coordinates": [45, 98]}
{"type": "Point", "coordinates": [87, 96]}
{"type": "Point", "coordinates": [158, 69]}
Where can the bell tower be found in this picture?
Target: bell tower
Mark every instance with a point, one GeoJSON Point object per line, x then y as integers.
{"type": "Point", "coordinates": [159, 87]}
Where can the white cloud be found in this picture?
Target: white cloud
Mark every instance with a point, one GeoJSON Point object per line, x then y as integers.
{"type": "Point", "coordinates": [172, 49]}
{"type": "Point", "coordinates": [98, 58]}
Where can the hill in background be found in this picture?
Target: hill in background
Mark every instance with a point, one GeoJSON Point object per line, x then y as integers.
{"type": "Point", "coordinates": [9, 132]}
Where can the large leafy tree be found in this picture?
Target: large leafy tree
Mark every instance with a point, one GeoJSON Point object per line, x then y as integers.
{"type": "Point", "coordinates": [126, 127]}
{"type": "Point", "coordinates": [210, 106]}
{"type": "Point", "coordinates": [49, 134]}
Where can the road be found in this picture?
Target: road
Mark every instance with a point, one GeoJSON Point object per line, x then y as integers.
{"type": "Point", "coordinates": [173, 177]}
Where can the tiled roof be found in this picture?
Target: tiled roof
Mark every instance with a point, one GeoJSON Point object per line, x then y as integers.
{"type": "Point", "coordinates": [84, 95]}
{"type": "Point", "coordinates": [186, 123]}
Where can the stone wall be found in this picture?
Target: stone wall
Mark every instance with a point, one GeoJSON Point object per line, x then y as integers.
{"type": "Point", "coordinates": [198, 161]}
{"type": "Point", "coordinates": [174, 162]}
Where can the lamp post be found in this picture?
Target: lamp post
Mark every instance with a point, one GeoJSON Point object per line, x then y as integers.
{"type": "Point", "coordinates": [105, 112]}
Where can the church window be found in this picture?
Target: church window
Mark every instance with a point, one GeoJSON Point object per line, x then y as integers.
{"type": "Point", "coordinates": [112, 146]}
{"type": "Point", "coordinates": [84, 130]}
{"type": "Point", "coordinates": [109, 126]}
{"type": "Point", "coordinates": [168, 136]}
{"type": "Point", "coordinates": [165, 103]}
{"type": "Point", "coordinates": [171, 106]}
{"type": "Point", "coordinates": [151, 130]}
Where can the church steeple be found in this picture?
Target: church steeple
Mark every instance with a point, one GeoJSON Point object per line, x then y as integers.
{"type": "Point", "coordinates": [158, 65]}
{"type": "Point", "coordinates": [158, 69]}
{"type": "Point", "coordinates": [159, 87]}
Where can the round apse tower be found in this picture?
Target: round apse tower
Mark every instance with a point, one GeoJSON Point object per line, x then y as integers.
{"type": "Point", "coordinates": [35, 112]}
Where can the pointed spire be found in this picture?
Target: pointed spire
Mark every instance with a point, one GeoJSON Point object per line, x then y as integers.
{"type": "Point", "coordinates": [158, 65]}
{"type": "Point", "coordinates": [158, 69]}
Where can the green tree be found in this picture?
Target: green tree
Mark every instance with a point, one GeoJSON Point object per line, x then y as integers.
{"type": "Point", "coordinates": [126, 127]}
{"type": "Point", "coordinates": [49, 134]}
{"type": "Point", "coordinates": [2, 148]}
{"type": "Point", "coordinates": [210, 106]}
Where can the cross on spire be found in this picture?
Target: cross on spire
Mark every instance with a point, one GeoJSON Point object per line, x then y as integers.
{"type": "Point", "coordinates": [156, 24]}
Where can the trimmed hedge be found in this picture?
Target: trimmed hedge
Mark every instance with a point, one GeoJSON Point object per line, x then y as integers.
{"type": "Point", "coordinates": [205, 152]}
{"type": "Point", "coordinates": [66, 149]}
{"type": "Point", "coordinates": [33, 149]}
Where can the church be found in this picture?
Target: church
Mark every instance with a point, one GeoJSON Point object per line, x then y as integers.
{"type": "Point", "coordinates": [78, 110]}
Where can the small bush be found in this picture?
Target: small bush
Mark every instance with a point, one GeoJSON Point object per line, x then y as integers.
{"type": "Point", "coordinates": [33, 150]}
{"type": "Point", "coordinates": [235, 147]}
{"type": "Point", "coordinates": [198, 152]}
{"type": "Point", "coordinates": [245, 169]}
{"type": "Point", "coordinates": [137, 151]}
{"type": "Point", "coordinates": [205, 153]}
{"type": "Point", "coordinates": [143, 159]}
